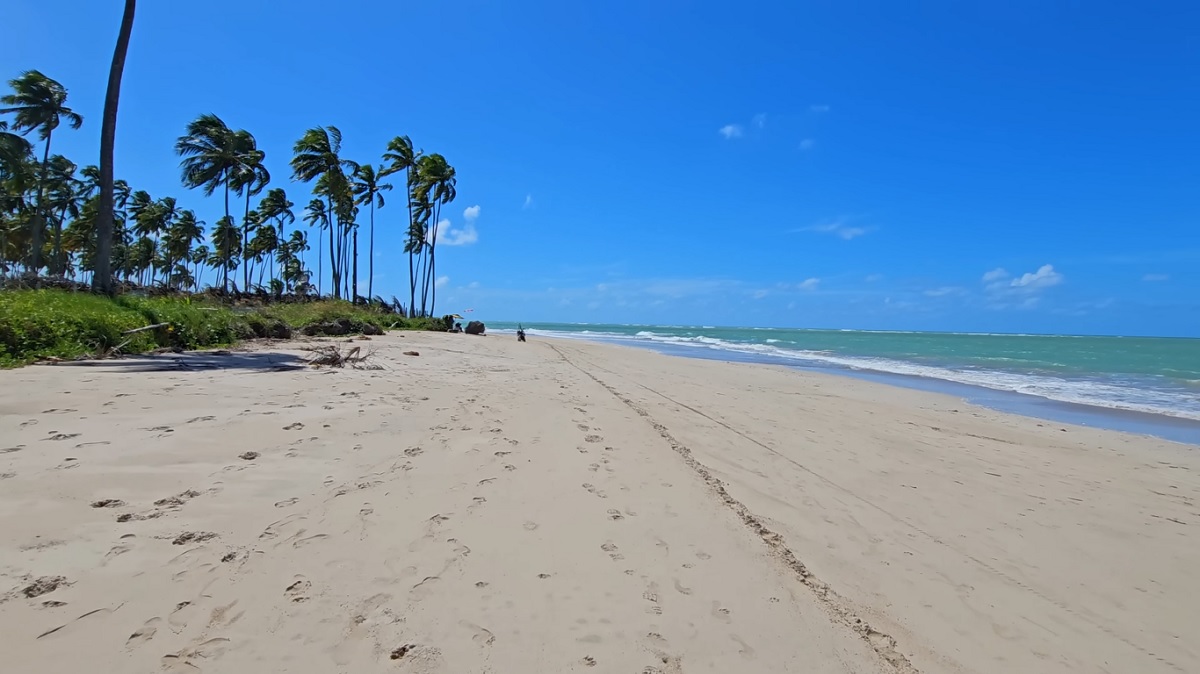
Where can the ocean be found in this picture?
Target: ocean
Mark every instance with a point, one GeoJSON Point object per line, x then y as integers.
{"type": "Point", "coordinates": [1131, 375]}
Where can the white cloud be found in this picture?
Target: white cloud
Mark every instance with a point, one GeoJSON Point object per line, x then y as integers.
{"type": "Point", "coordinates": [760, 120]}
{"type": "Point", "coordinates": [819, 108]}
{"type": "Point", "coordinates": [1155, 277]}
{"type": "Point", "coordinates": [471, 213]}
{"type": "Point", "coordinates": [442, 281]}
{"type": "Point", "coordinates": [730, 131]}
{"type": "Point", "coordinates": [873, 278]}
{"type": "Point", "coordinates": [1044, 277]}
{"type": "Point", "coordinates": [807, 144]}
{"type": "Point", "coordinates": [473, 284]}
{"type": "Point", "coordinates": [528, 201]}
{"type": "Point", "coordinates": [997, 274]}
{"type": "Point", "coordinates": [838, 227]}
{"type": "Point", "coordinates": [759, 294]}
{"type": "Point", "coordinates": [809, 284]}
{"type": "Point", "coordinates": [448, 235]}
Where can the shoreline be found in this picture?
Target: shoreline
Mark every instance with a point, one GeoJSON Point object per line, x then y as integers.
{"type": "Point", "coordinates": [1163, 426]}
{"type": "Point", "coordinates": [559, 505]}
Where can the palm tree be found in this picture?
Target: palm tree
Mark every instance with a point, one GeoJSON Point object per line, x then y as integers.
{"type": "Point", "coordinates": [249, 179]}
{"type": "Point", "coordinates": [227, 241]}
{"type": "Point", "coordinates": [315, 157]}
{"type": "Point", "coordinates": [316, 215]}
{"type": "Point", "coordinates": [63, 197]}
{"type": "Point", "coordinates": [275, 206]}
{"type": "Point", "coordinates": [38, 102]}
{"type": "Point", "coordinates": [215, 156]}
{"type": "Point", "coordinates": [368, 190]}
{"type": "Point", "coordinates": [403, 159]}
{"type": "Point", "coordinates": [184, 231]}
{"type": "Point", "coordinates": [102, 279]}
{"type": "Point", "coordinates": [436, 181]}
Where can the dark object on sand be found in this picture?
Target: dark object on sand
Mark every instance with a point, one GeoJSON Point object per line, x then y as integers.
{"type": "Point", "coordinates": [411, 353]}
{"type": "Point", "coordinates": [475, 328]}
{"type": "Point", "coordinates": [520, 332]}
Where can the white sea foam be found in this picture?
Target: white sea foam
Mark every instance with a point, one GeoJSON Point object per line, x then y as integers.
{"type": "Point", "coordinates": [1109, 392]}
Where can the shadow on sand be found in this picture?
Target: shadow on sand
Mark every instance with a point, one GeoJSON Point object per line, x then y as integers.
{"type": "Point", "coordinates": [196, 361]}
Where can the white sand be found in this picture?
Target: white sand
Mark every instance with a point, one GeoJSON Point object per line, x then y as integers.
{"type": "Point", "coordinates": [490, 506]}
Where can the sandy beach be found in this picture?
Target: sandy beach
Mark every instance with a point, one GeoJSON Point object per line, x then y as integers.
{"type": "Point", "coordinates": [558, 506]}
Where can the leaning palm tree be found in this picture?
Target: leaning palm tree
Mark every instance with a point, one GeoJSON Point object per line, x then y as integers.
{"type": "Point", "coordinates": [249, 179]}
{"type": "Point", "coordinates": [276, 207]}
{"type": "Point", "coordinates": [403, 159]}
{"type": "Point", "coordinates": [62, 199]}
{"type": "Point", "coordinates": [368, 190]}
{"type": "Point", "coordinates": [315, 157]}
{"type": "Point", "coordinates": [436, 181]}
{"type": "Point", "coordinates": [40, 103]}
{"type": "Point", "coordinates": [227, 241]}
{"type": "Point", "coordinates": [316, 215]}
{"type": "Point", "coordinates": [210, 156]}
{"type": "Point", "coordinates": [102, 279]}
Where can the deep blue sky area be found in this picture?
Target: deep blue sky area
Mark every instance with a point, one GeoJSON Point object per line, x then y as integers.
{"type": "Point", "coordinates": [1024, 166]}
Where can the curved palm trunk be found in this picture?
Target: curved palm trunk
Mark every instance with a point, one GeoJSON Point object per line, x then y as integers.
{"type": "Point", "coordinates": [102, 278]}
{"type": "Point", "coordinates": [371, 255]}
{"type": "Point", "coordinates": [246, 243]}
{"type": "Point", "coordinates": [38, 222]}
{"type": "Point", "coordinates": [354, 256]}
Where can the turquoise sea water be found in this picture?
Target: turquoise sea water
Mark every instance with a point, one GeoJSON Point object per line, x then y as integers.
{"type": "Point", "coordinates": [1140, 374]}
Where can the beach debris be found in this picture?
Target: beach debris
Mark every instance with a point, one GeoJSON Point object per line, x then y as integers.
{"type": "Point", "coordinates": [108, 503]}
{"type": "Point", "coordinates": [44, 585]}
{"type": "Point", "coordinates": [248, 456]}
{"type": "Point", "coordinates": [193, 537]}
{"type": "Point", "coordinates": [333, 356]}
{"type": "Point", "coordinates": [402, 651]}
{"type": "Point", "coordinates": [412, 353]}
{"type": "Point", "coordinates": [475, 328]}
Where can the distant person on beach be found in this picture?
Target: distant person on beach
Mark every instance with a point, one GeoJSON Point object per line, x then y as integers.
{"type": "Point", "coordinates": [520, 333]}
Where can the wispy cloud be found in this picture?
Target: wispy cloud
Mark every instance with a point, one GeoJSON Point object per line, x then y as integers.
{"type": "Point", "coordinates": [807, 144]}
{"type": "Point", "coordinates": [759, 294]}
{"type": "Point", "coordinates": [760, 120]}
{"type": "Point", "coordinates": [442, 281]}
{"type": "Point", "coordinates": [528, 202]}
{"type": "Point", "coordinates": [837, 227]}
{"type": "Point", "coordinates": [473, 285]}
{"type": "Point", "coordinates": [1155, 277]}
{"type": "Point", "coordinates": [819, 108]}
{"type": "Point", "coordinates": [1044, 277]}
{"type": "Point", "coordinates": [999, 274]}
{"type": "Point", "coordinates": [471, 213]}
{"type": "Point", "coordinates": [730, 131]}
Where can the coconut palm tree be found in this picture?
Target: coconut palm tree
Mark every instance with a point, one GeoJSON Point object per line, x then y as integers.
{"type": "Point", "coordinates": [102, 279]}
{"type": "Point", "coordinates": [403, 159]}
{"type": "Point", "coordinates": [40, 103]}
{"type": "Point", "coordinates": [315, 157]}
{"type": "Point", "coordinates": [316, 215]}
{"type": "Point", "coordinates": [63, 198]}
{"type": "Point", "coordinates": [276, 207]}
{"type": "Point", "coordinates": [436, 182]}
{"type": "Point", "coordinates": [184, 231]}
{"type": "Point", "coordinates": [250, 179]}
{"type": "Point", "coordinates": [227, 242]}
{"type": "Point", "coordinates": [368, 190]}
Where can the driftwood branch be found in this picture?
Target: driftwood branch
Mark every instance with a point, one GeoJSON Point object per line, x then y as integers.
{"type": "Point", "coordinates": [148, 327]}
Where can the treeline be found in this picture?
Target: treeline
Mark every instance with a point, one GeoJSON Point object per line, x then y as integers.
{"type": "Point", "coordinates": [49, 209]}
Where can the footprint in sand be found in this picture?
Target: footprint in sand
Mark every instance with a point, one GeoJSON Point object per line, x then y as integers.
{"type": "Point", "coordinates": [593, 438]}
{"type": "Point", "coordinates": [745, 650]}
{"type": "Point", "coordinates": [591, 489]}
{"type": "Point", "coordinates": [611, 548]}
{"type": "Point", "coordinates": [286, 502]}
{"type": "Point", "coordinates": [293, 427]}
{"type": "Point", "coordinates": [614, 514]}
{"type": "Point", "coordinates": [720, 613]}
{"type": "Point", "coordinates": [298, 590]}
{"type": "Point", "coordinates": [530, 526]}
{"type": "Point", "coordinates": [413, 451]}
{"type": "Point", "coordinates": [584, 427]}
{"type": "Point", "coordinates": [703, 555]}
{"type": "Point", "coordinates": [680, 588]}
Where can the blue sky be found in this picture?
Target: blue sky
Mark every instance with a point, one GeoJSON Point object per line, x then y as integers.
{"type": "Point", "coordinates": [1018, 166]}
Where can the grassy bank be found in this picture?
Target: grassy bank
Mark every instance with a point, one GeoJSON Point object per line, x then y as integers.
{"type": "Point", "coordinates": [39, 324]}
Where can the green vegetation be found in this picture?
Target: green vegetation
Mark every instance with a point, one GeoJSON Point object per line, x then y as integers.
{"type": "Point", "coordinates": [41, 324]}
